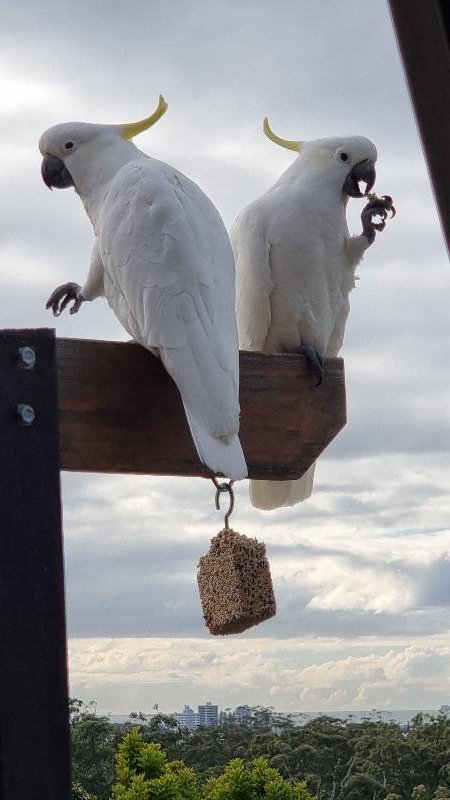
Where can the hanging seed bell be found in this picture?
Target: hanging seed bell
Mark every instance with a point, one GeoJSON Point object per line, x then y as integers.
{"type": "Point", "coordinates": [234, 581]}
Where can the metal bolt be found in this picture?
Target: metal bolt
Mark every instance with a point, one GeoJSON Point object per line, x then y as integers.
{"type": "Point", "coordinates": [27, 357]}
{"type": "Point", "coordinates": [26, 414]}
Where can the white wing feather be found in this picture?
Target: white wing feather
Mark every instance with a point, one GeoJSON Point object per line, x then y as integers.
{"type": "Point", "coordinates": [169, 277]}
{"type": "Point", "coordinates": [254, 283]}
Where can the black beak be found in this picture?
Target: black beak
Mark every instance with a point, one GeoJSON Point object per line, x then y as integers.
{"type": "Point", "coordinates": [55, 173]}
{"type": "Point", "coordinates": [364, 171]}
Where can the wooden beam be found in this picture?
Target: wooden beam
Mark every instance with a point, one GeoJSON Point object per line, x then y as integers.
{"type": "Point", "coordinates": [423, 35]}
{"type": "Point", "coordinates": [120, 412]}
{"type": "Point", "coordinates": [34, 724]}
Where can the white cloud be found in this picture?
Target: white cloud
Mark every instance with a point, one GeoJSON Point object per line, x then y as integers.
{"type": "Point", "coordinates": [255, 671]}
{"type": "Point", "coordinates": [23, 94]}
{"type": "Point", "coordinates": [350, 587]}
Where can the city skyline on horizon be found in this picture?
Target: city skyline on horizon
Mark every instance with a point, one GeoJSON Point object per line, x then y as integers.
{"type": "Point", "coordinates": [339, 713]}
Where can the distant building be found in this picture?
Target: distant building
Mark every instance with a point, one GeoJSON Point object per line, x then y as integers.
{"type": "Point", "coordinates": [188, 718]}
{"type": "Point", "coordinates": [208, 715]}
{"type": "Point", "coordinates": [444, 709]}
{"type": "Point", "coordinates": [242, 714]}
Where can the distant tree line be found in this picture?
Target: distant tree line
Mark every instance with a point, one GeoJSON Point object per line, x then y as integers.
{"type": "Point", "coordinates": [266, 757]}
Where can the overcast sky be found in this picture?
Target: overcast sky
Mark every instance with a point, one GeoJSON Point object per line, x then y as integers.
{"type": "Point", "coordinates": [362, 570]}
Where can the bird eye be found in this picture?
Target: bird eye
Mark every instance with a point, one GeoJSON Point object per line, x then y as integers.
{"type": "Point", "coordinates": [68, 145]}
{"type": "Point", "coordinates": [344, 156]}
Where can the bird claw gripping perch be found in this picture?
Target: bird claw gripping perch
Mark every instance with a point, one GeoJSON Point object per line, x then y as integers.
{"type": "Point", "coordinates": [234, 578]}
{"type": "Point", "coordinates": [314, 359]}
{"type": "Point", "coordinates": [376, 207]}
{"type": "Point", "coordinates": [62, 296]}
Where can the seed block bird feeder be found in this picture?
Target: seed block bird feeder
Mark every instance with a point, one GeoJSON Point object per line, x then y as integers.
{"type": "Point", "coordinates": [235, 584]}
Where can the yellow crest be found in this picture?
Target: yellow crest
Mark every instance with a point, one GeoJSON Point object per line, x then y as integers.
{"type": "Point", "coordinates": [288, 143]}
{"type": "Point", "coordinates": [133, 128]}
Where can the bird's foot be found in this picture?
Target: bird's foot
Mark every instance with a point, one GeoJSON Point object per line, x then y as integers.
{"type": "Point", "coordinates": [62, 296]}
{"type": "Point", "coordinates": [376, 207]}
{"type": "Point", "coordinates": [314, 359]}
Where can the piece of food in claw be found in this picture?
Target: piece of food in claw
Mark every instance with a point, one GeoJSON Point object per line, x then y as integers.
{"type": "Point", "coordinates": [235, 584]}
{"type": "Point", "coordinates": [385, 200]}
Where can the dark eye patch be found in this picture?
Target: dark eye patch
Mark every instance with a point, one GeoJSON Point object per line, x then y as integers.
{"type": "Point", "coordinates": [68, 146]}
{"type": "Point", "coordinates": [344, 156]}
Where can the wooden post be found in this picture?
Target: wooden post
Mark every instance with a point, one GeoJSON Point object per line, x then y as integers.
{"type": "Point", "coordinates": [34, 727]}
{"type": "Point", "coordinates": [423, 35]}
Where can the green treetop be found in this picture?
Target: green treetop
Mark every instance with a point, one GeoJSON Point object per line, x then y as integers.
{"type": "Point", "coordinates": [144, 773]}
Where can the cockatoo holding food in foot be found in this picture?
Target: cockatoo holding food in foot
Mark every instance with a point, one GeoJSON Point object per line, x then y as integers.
{"type": "Point", "coordinates": [295, 264]}
{"type": "Point", "coordinates": [163, 260]}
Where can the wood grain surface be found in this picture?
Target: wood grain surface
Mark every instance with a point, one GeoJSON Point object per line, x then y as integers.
{"type": "Point", "coordinates": [121, 412]}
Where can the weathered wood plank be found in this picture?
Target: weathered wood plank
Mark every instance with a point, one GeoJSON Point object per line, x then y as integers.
{"type": "Point", "coordinates": [423, 35]}
{"type": "Point", "coordinates": [120, 412]}
{"type": "Point", "coordinates": [34, 725]}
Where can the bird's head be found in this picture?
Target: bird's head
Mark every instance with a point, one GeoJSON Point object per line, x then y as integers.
{"type": "Point", "coordinates": [350, 161]}
{"type": "Point", "coordinates": [65, 145]}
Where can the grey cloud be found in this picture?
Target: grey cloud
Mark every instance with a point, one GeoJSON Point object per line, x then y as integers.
{"type": "Point", "coordinates": [131, 587]}
{"type": "Point", "coordinates": [132, 603]}
{"type": "Point", "coordinates": [434, 589]}
{"type": "Point", "coordinates": [249, 62]}
{"type": "Point", "coordinates": [347, 624]}
{"type": "Point", "coordinates": [140, 579]}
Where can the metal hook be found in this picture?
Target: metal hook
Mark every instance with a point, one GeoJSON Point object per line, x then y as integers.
{"type": "Point", "coordinates": [221, 488]}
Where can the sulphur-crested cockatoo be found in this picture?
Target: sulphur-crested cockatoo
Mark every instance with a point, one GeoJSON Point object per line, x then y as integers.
{"type": "Point", "coordinates": [295, 264]}
{"type": "Point", "coordinates": [163, 260]}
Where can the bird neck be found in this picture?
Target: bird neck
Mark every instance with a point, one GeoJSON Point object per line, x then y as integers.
{"type": "Point", "coordinates": [93, 174]}
{"type": "Point", "coordinates": [311, 188]}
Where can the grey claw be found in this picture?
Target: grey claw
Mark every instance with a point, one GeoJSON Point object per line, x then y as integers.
{"type": "Point", "coordinates": [315, 360]}
{"type": "Point", "coordinates": [62, 296]}
{"type": "Point", "coordinates": [376, 207]}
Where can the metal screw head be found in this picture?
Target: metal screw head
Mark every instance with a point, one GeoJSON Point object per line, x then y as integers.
{"type": "Point", "coordinates": [27, 357]}
{"type": "Point", "coordinates": [26, 414]}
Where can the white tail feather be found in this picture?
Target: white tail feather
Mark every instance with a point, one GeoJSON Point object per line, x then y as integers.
{"type": "Point", "coordinates": [222, 456]}
{"type": "Point", "coordinates": [269, 495]}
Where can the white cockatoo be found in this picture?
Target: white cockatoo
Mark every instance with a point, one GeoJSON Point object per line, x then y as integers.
{"type": "Point", "coordinates": [295, 264]}
{"type": "Point", "coordinates": [163, 260]}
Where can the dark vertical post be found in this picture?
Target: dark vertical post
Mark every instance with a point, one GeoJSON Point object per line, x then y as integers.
{"type": "Point", "coordinates": [34, 729]}
{"type": "Point", "coordinates": [423, 36]}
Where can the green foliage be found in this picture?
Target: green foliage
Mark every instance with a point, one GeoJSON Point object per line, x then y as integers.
{"type": "Point", "coordinates": [78, 793]}
{"type": "Point", "coordinates": [362, 787]}
{"type": "Point", "coordinates": [135, 757]}
{"type": "Point", "coordinates": [266, 757]}
{"type": "Point", "coordinates": [383, 752]}
{"type": "Point", "coordinates": [430, 738]}
{"type": "Point", "coordinates": [238, 782]}
{"type": "Point", "coordinates": [442, 793]}
{"type": "Point", "coordinates": [161, 728]}
{"type": "Point", "coordinates": [94, 741]}
{"type": "Point", "coordinates": [143, 772]}
{"type": "Point", "coordinates": [419, 792]}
